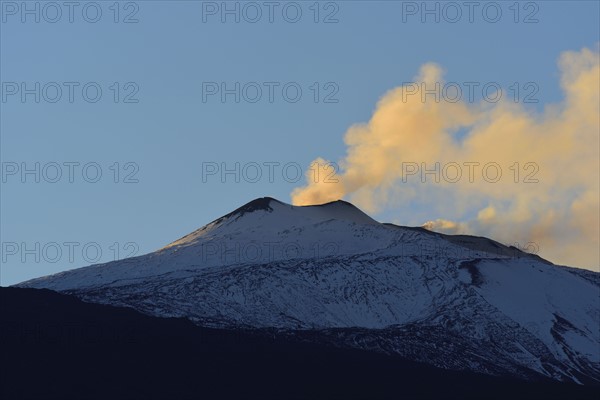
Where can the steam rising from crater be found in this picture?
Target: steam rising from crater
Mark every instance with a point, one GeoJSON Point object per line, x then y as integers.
{"type": "Point", "coordinates": [558, 148]}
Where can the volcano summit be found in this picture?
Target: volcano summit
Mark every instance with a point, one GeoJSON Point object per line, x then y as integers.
{"type": "Point", "coordinates": [455, 302]}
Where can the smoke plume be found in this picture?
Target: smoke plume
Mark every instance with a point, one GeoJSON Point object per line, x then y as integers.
{"type": "Point", "coordinates": [498, 169]}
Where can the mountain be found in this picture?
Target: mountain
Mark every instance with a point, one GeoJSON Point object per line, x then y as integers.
{"type": "Point", "coordinates": [55, 346]}
{"type": "Point", "coordinates": [331, 275]}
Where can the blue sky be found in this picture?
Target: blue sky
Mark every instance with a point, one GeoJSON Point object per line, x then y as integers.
{"type": "Point", "coordinates": [163, 139]}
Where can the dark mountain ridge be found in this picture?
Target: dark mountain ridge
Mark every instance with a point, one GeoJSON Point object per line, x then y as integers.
{"type": "Point", "coordinates": [55, 346]}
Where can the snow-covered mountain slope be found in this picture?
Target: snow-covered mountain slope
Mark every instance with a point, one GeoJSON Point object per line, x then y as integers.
{"type": "Point", "coordinates": [459, 302]}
